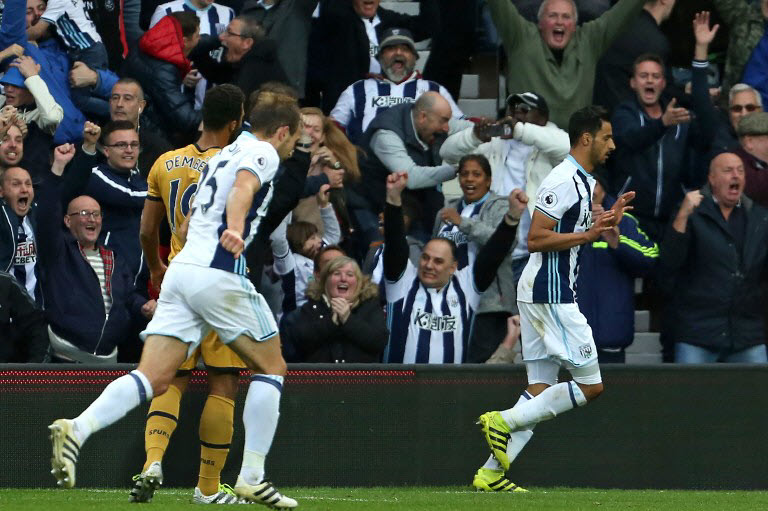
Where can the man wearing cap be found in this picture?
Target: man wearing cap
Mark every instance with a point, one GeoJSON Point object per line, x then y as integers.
{"type": "Point", "coordinates": [560, 56]}
{"type": "Point", "coordinates": [753, 151]}
{"type": "Point", "coordinates": [349, 33]}
{"type": "Point", "coordinates": [398, 83]}
{"type": "Point", "coordinates": [519, 160]}
{"type": "Point", "coordinates": [713, 258]}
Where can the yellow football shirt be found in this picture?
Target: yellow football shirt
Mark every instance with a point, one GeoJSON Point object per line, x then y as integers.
{"type": "Point", "coordinates": [173, 180]}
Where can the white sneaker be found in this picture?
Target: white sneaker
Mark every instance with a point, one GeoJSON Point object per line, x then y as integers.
{"type": "Point", "coordinates": [66, 450]}
{"type": "Point", "coordinates": [263, 493]}
{"type": "Point", "coordinates": [146, 483]}
{"type": "Point", "coordinates": [225, 495]}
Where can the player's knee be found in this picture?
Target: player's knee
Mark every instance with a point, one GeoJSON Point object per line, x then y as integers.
{"type": "Point", "coordinates": [224, 384]}
{"type": "Point", "coordinates": [592, 392]}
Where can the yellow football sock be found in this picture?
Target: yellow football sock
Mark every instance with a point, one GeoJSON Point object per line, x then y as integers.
{"type": "Point", "coordinates": [216, 428]}
{"type": "Point", "coordinates": [161, 422]}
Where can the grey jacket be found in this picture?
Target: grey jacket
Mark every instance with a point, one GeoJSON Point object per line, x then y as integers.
{"type": "Point", "coordinates": [500, 296]}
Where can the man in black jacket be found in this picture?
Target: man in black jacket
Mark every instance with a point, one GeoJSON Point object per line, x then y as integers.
{"type": "Point", "coordinates": [715, 256]}
{"type": "Point", "coordinates": [249, 60]}
{"type": "Point", "coordinates": [350, 32]}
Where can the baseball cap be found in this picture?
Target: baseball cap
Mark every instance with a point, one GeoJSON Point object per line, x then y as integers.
{"type": "Point", "coordinates": [753, 124]}
{"type": "Point", "coordinates": [531, 99]}
{"type": "Point", "coordinates": [13, 77]}
{"type": "Point", "coordinates": [393, 36]}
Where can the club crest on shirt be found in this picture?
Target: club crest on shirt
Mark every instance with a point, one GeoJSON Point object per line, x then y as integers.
{"type": "Point", "coordinates": [453, 301]}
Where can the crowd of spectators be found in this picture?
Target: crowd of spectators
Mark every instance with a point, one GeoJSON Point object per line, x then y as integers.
{"type": "Point", "coordinates": [361, 256]}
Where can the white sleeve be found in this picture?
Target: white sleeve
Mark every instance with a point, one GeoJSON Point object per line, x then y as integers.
{"type": "Point", "coordinates": [284, 261]}
{"type": "Point", "coordinates": [396, 290]}
{"type": "Point", "coordinates": [342, 112]}
{"type": "Point", "coordinates": [54, 10]}
{"type": "Point", "coordinates": [457, 113]}
{"type": "Point", "coordinates": [50, 113]}
{"type": "Point", "coordinates": [555, 198]}
{"type": "Point", "coordinates": [466, 277]}
{"type": "Point", "coordinates": [332, 231]}
{"type": "Point", "coordinates": [262, 164]}
{"type": "Point", "coordinates": [159, 14]}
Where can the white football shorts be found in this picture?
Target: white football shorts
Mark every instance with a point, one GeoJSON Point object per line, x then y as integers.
{"type": "Point", "coordinates": [557, 332]}
{"type": "Point", "coordinates": [196, 299]}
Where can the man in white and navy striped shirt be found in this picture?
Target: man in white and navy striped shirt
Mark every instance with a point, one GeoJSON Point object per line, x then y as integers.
{"type": "Point", "coordinates": [555, 334]}
{"type": "Point", "coordinates": [399, 83]}
{"type": "Point", "coordinates": [430, 308]}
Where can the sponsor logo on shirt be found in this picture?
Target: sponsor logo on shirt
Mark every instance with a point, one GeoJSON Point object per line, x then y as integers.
{"type": "Point", "coordinates": [389, 101]}
{"type": "Point", "coordinates": [25, 253]}
{"type": "Point", "coordinates": [433, 322]}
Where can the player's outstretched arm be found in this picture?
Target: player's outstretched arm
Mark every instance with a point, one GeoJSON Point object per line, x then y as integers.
{"type": "Point", "coordinates": [239, 202]}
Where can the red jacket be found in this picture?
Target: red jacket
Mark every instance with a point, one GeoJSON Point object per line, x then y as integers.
{"type": "Point", "coordinates": [164, 41]}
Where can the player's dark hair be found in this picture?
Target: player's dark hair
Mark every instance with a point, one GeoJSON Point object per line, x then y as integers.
{"type": "Point", "coordinates": [648, 57]}
{"type": "Point", "coordinates": [188, 20]}
{"type": "Point", "coordinates": [269, 117]}
{"type": "Point", "coordinates": [113, 126]}
{"type": "Point", "coordinates": [222, 105]}
{"type": "Point", "coordinates": [451, 244]}
{"type": "Point", "coordinates": [477, 158]}
{"type": "Point", "coordinates": [586, 120]}
{"type": "Point", "coordinates": [298, 233]}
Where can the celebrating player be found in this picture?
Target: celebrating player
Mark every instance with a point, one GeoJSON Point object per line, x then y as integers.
{"type": "Point", "coordinates": [206, 288]}
{"type": "Point", "coordinates": [172, 181]}
{"type": "Point", "coordinates": [554, 332]}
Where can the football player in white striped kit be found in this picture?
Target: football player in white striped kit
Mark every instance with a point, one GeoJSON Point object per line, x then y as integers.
{"type": "Point", "coordinates": [204, 288]}
{"type": "Point", "coordinates": [555, 334]}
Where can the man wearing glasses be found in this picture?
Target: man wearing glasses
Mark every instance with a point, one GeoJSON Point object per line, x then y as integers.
{"type": "Point", "coordinates": [743, 100]}
{"type": "Point", "coordinates": [89, 292]}
{"type": "Point", "coordinates": [121, 190]}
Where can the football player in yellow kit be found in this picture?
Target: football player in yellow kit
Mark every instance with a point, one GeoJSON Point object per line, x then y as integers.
{"type": "Point", "coordinates": [172, 183]}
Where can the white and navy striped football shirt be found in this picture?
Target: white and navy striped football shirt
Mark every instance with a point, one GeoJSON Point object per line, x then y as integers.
{"type": "Point", "coordinates": [213, 19]}
{"type": "Point", "coordinates": [73, 23]}
{"type": "Point", "coordinates": [363, 100]}
{"type": "Point", "coordinates": [209, 213]}
{"type": "Point", "coordinates": [565, 196]}
{"type": "Point", "coordinates": [466, 250]}
{"type": "Point", "coordinates": [428, 325]}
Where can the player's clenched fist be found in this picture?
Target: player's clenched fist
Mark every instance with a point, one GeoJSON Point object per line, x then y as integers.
{"type": "Point", "coordinates": [232, 242]}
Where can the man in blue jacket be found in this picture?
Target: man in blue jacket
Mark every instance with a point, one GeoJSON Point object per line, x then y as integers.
{"type": "Point", "coordinates": [90, 297]}
{"type": "Point", "coordinates": [605, 285]}
{"type": "Point", "coordinates": [120, 189]}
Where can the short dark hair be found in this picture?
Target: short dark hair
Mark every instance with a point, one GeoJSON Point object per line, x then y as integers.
{"type": "Point", "coordinates": [113, 126]}
{"type": "Point", "coordinates": [126, 80]}
{"type": "Point", "coordinates": [222, 105]}
{"type": "Point", "coordinates": [451, 244]}
{"type": "Point", "coordinates": [648, 57]}
{"type": "Point", "coordinates": [267, 118]}
{"type": "Point", "coordinates": [188, 20]}
{"type": "Point", "coordinates": [324, 249]}
{"type": "Point", "coordinates": [586, 120]}
{"type": "Point", "coordinates": [479, 159]}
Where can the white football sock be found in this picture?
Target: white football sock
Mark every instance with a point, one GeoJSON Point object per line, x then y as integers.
{"type": "Point", "coordinates": [516, 442]}
{"type": "Point", "coordinates": [118, 398]}
{"type": "Point", "coordinates": [547, 405]}
{"type": "Point", "coordinates": [260, 415]}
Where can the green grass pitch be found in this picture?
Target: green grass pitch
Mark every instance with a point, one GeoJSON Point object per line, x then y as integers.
{"type": "Point", "coordinates": [404, 499]}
